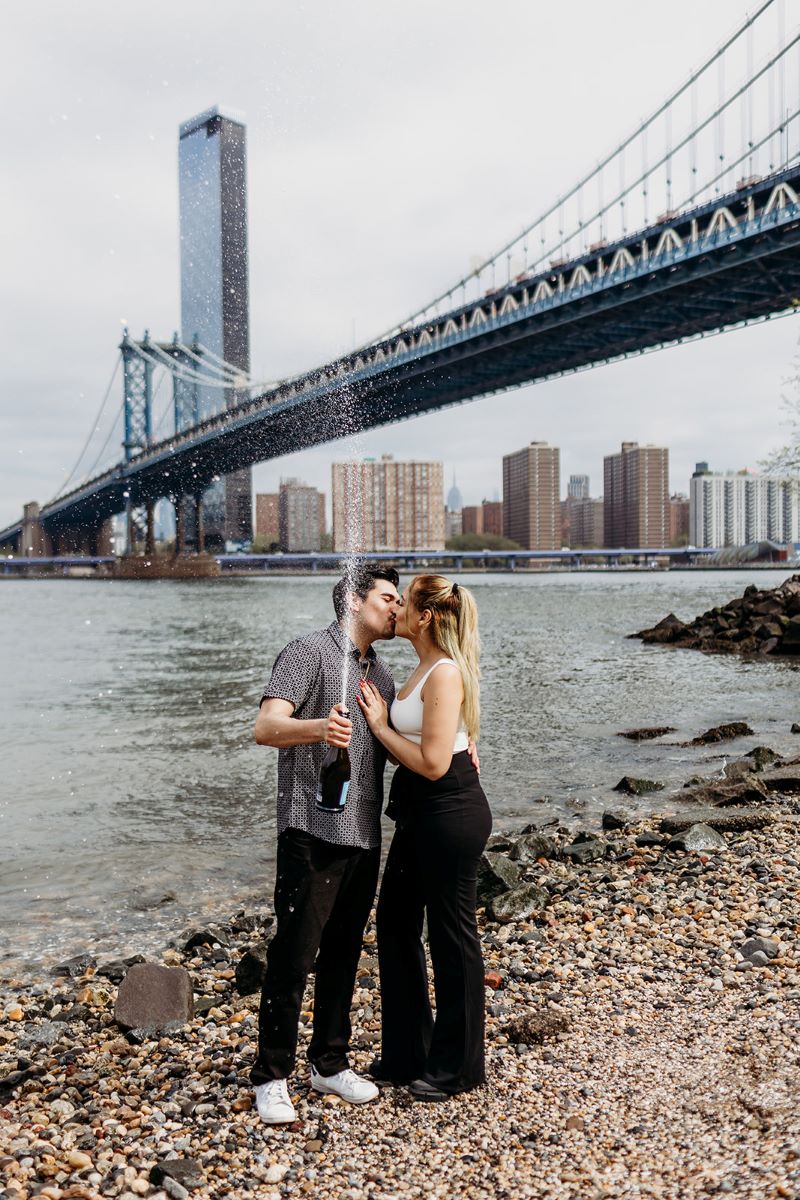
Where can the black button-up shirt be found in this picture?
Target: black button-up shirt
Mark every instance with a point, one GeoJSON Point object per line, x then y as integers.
{"type": "Point", "coordinates": [309, 674]}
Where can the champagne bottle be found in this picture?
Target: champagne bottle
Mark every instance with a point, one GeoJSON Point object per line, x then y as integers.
{"type": "Point", "coordinates": [334, 779]}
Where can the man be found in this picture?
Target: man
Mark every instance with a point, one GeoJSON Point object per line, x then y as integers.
{"type": "Point", "coordinates": [327, 868]}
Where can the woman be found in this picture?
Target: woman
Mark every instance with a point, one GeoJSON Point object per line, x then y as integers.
{"type": "Point", "coordinates": [443, 822]}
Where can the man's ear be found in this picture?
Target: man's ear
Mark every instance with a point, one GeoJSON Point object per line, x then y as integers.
{"type": "Point", "coordinates": [354, 601]}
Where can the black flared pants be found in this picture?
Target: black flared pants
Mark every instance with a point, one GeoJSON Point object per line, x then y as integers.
{"type": "Point", "coordinates": [432, 867]}
{"type": "Point", "coordinates": [323, 897]}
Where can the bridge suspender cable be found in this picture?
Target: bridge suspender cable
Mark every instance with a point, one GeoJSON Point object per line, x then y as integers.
{"type": "Point", "coordinates": [574, 191]}
{"type": "Point", "coordinates": [92, 430]}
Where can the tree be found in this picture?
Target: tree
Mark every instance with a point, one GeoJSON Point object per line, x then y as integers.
{"type": "Point", "coordinates": [786, 459]}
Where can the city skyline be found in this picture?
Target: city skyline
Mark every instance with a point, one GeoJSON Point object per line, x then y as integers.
{"type": "Point", "coordinates": [338, 252]}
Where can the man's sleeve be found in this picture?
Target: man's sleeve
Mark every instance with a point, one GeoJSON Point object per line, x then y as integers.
{"type": "Point", "coordinates": [294, 675]}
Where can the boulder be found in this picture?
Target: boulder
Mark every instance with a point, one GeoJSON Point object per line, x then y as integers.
{"type": "Point", "coordinates": [72, 968]}
{"type": "Point", "coordinates": [647, 734]}
{"type": "Point", "coordinates": [649, 838]}
{"type": "Point", "coordinates": [250, 970]}
{"type": "Point", "coordinates": [722, 733]}
{"type": "Point", "coordinates": [698, 838]}
{"type": "Point", "coordinates": [637, 787]}
{"type": "Point", "coordinates": [762, 756]}
{"type": "Point", "coordinates": [586, 848]}
{"type": "Point", "coordinates": [153, 998]}
{"type": "Point", "coordinates": [795, 727]}
{"type": "Point", "coordinates": [118, 968]}
{"type": "Point", "coordinates": [184, 1171]}
{"type": "Point", "coordinates": [670, 629]}
{"type": "Point", "coordinates": [518, 904]}
{"type": "Point", "coordinates": [206, 937]}
{"type": "Point", "coordinates": [500, 843]}
{"type": "Point", "coordinates": [531, 846]}
{"type": "Point", "coordinates": [726, 820]}
{"type": "Point", "coordinates": [496, 874]}
{"type": "Point", "coordinates": [759, 622]}
{"type": "Point", "coordinates": [748, 790]}
{"type": "Point", "coordinates": [614, 820]}
{"type": "Point", "coordinates": [532, 1028]}
{"type": "Point", "coordinates": [784, 779]}
{"type": "Point", "coordinates": [790, 642]}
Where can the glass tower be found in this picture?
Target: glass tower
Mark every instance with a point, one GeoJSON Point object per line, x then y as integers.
{"type": "Point", "coordinates": [214, 286]}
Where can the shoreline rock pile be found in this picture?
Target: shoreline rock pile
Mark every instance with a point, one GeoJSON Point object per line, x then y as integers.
{"type": "Point", "coordinates": [761, 621]}
{"type": "Point", "coordinates": [642, 1037]}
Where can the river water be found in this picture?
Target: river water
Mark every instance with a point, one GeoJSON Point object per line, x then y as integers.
{"type": "Point", "coordinates": [134, 800]}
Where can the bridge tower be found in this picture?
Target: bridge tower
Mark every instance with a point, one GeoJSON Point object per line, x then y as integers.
{"type": "Point", "coordinates": [137, 375]}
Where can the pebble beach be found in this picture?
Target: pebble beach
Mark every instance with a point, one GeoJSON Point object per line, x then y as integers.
{"type": "Point", "coordinates": [643, 1022]}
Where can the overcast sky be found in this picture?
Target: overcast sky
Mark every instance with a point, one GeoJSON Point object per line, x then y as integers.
{"type": "Point", "coordinates": [388, 146]}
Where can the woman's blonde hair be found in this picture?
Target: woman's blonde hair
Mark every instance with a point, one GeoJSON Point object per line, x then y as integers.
{"type": "Point", "coordinates": [454, 630]}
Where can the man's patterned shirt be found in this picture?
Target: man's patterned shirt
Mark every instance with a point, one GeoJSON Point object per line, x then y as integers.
{"type": "Point", "coordinates": [308, 673]}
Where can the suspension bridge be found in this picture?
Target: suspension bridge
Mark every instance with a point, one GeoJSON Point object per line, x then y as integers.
{"type": "Point", "coordinates": [689, 227]}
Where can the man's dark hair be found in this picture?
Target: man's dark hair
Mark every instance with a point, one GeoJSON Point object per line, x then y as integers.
{"type": "Point", "coordinates": [360, 581]}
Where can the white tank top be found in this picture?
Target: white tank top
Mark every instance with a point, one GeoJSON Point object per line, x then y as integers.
{"type": "Point", "coordinates": [407, 714]}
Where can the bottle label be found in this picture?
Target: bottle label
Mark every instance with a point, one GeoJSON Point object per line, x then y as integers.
{"type": "Point", "coordinates": [342, 799]}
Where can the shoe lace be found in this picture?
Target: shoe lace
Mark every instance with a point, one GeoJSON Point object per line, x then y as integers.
{"type": "Point", "coordinates": [350, 1079]}
{"type": "Point", "coordinates": [277, 1089]}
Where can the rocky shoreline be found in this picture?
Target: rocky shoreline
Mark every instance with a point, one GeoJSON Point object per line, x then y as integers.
{"type": "Point", "coordinates": [643, 1022]}
{"type": "Point", "coordinates": [760, 622]}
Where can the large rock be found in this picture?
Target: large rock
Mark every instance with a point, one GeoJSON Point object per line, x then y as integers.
{"type": "Point", "coordinates": [586, 848]}
{"type": "Point", "coordinates": [670, 629]}
{"type": "Point", "coordinates": [72, 968]}
{"type": "Point", "coordinates": [785, 779]}
{"type": "Point", "coordinates": [725, 820]}
{"type": "Point", "coordinates": [646, 734]}
{"type": "Point", "coordinates": [496, 874]}
{"type": "Point", "coordinates": [722, 733]}
{"type": "Point", "coordinates": [535, 1026]}
{"type": "Point", "coordinates": [206, 937]}
{"type": "Point", "coordinates": [531, 846]}
{"type": "Point", "coordinates": [762, 756]}
{"type": "Point", "coordinates": [632, 786]}
{"type": "Point", "coordinates": [725, 794]}
{"type": "Point", "coordinates": [759, 622]}
{"type": "Point", "coordinates": [153, 998]}
{"type": "Point", "coordinates": [698, 838]}
{"type": "Point", "coordinates": [250, 970]}
{"type": "Point", "coordinates": [184, 1171]}
{"type": "Point", "coordinates": [790, 643]}
{"type": "Point", "coordinates": [519, 904]}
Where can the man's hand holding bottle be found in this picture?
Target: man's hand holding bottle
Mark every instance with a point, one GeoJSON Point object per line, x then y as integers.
{"type": "Point", "coordinates": [337, 728]}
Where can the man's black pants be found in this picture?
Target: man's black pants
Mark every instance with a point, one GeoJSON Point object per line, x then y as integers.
{"type": "Point", "coordinates": [323, 897]}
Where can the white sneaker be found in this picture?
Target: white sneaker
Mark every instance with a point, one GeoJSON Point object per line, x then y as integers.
{"type": "Point", "coordinates": [273, 1103]}
{"type": "Point", "coordinates": [346, 1084]}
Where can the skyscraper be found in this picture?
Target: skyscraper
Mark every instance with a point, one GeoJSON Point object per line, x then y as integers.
{"type": "Point", "coordinates": [636, 497]}
{"type": "Point", "coordinates": [388, 505]}
{"type": "Point", "coordinates": [214, 284]}
{"type": "Point", "coordinates": [531, 487]}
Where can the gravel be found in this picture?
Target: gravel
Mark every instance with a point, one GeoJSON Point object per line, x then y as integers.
{"type": "Point", "coordinates": [642, 1040]}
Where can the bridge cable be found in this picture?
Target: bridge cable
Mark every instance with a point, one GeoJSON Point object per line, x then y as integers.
{"type": "Point", "coordinates": [92, 431]}
{"type": "Point", "coordinates": [588, 177]}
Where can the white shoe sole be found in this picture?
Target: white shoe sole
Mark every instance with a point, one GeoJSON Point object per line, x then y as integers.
{"type": "Point", "coordinates": [278, 1120]}
{"type": "Point", "coordinates": [324, 1091]}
